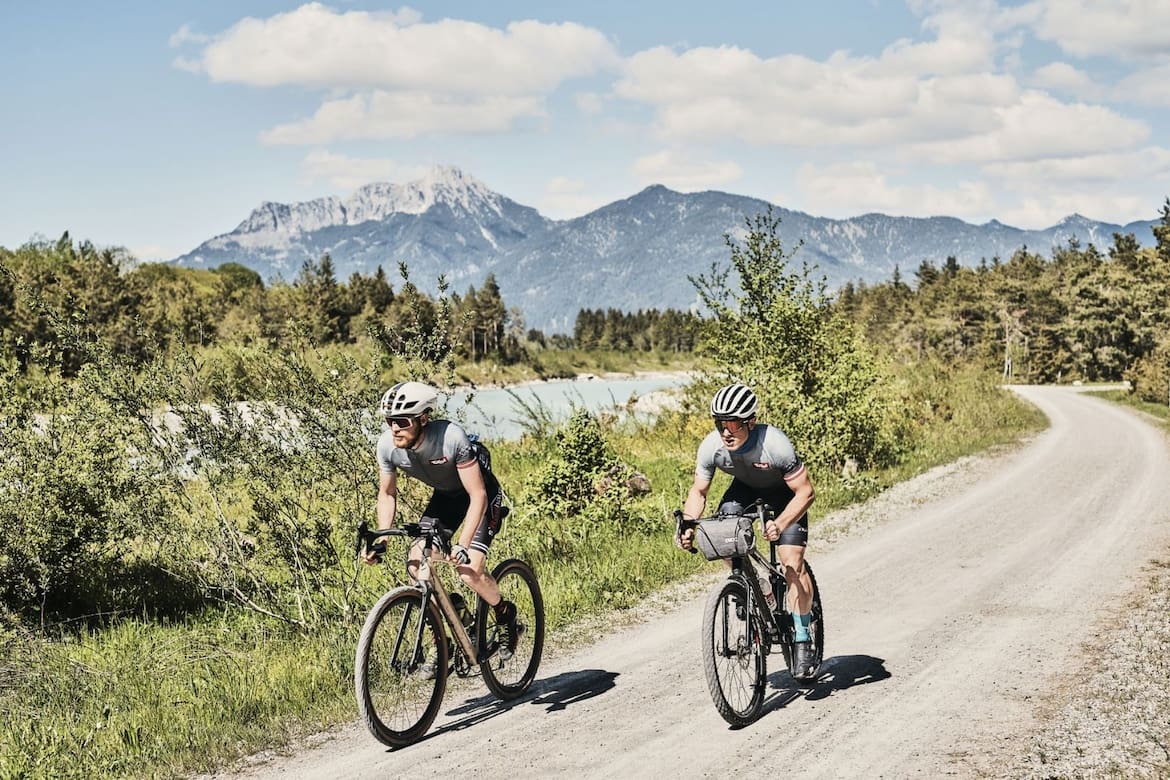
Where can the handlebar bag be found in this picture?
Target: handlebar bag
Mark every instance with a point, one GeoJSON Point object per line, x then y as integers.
{"type": "Point", "coordinates": [725, 537]}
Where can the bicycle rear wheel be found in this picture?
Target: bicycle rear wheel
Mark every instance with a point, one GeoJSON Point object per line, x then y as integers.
{"type": "Point", "coordinates": [509, 675]}
{"type": "Point", "coordinates": [816, 626]}
{"type": "Point", "coordinates": [733, 654]}
{"type": "Point", "coordinates": [400, 670]}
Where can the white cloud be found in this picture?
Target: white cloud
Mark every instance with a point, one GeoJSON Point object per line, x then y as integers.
{"type": "Point", "coordinates": [347, 173]}
{"type": "Point", "coordinates": [790, 100]}
{"type": "Point", "coordinates": [390, 75]}
{"type": "Point", "coordinates": [1048, 206]}
{"type": "Point", "coordinates": [1125, 29]}
{"type": "Point", "coordinates": [382, 115]}
{"type": "Point", "coordinates": [1039, 127]}
{"type": "Point", "coordinates": [680, 171]}
{"type": "Point", "coordinates": [150, 253]}
{"type": "Point", "coordinates": [185, 35]}
{"type": "Point", "coordinates": [1095, 169]}
{"type": "Point", "coordinates": [1150, 86]}
{"type": "Point", "coordinates": [565, 197]}
{"type": "Point", "coordinates": [852, 188]}
{"type": "Point", "coordinates": [316, 46]}
{"type": "Point", "coordinates": [1062, 77]}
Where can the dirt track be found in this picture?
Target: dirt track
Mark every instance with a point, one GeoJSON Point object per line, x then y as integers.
{"type": "Point", "coordinates": [948, 611]}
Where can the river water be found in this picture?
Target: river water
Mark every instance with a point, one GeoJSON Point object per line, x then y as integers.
{"type": "Point", "coordinates": [500, 413]}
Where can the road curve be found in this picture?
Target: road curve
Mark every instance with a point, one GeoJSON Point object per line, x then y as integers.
{"type": "Point", "coordinates": [944, 624]}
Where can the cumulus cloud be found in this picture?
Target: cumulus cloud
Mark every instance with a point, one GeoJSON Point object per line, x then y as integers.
{"type": "Point", "coordinates": [680, 171]}
{"type": "Point", "coordinates": [566, 197]}
{"type": "Point", "coordinates": [1046, 207]}
{"type": "Point", "coordinates": [848, 189]}
{"type": "Point", "coordinates": [1150, 86]}
{"type": "Point", "coordinates": [391, 75]}
{"type": "Point", "coordinates": [1039, 127]}
{"type": "Point", "coordinates": [316, 46]}
{"type": "Point", "coordinates": [1091, 169]}
{"type": "Point", "coordinates": [1126, 29]}
{"type": "Point", "coordinates": [347, 173]}
{"type": "Point", "coordinates": [1062, 77]}
{"type": "Point", "coordinates": [381, 115]}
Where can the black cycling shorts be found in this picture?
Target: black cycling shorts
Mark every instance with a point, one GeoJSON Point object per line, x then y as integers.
{"type": "Point", "coordinates": [449, 509]}
{"type": "Point", "coordinates": [745, 495]}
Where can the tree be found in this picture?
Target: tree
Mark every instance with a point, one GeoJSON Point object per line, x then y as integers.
{"type": "Point", "coordinates": [776, 331]}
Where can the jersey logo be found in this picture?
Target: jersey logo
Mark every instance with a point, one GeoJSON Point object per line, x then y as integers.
{"type": "Point", "coordinates": [762, 465]}
{"type": "Point", "coordinates": [439, 461]}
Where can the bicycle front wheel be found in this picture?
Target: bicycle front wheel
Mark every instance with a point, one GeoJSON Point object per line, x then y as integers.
{"type": "Point", "coordinates": [400, 671]}
{"type": "Point", "coordinates": [733, 655]}
{"type": "Point", "coordinates": [508, 671]}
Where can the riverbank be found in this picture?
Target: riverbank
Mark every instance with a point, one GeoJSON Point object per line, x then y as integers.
{"type": "Point", "coordinates": [569, 364]}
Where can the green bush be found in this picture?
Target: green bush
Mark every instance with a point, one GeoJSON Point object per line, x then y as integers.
{"type": "Point", "coordinates": [774, 330]}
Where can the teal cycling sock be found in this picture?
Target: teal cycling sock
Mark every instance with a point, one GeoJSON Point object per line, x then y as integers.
{"type": "Point", "coordinates": [800, 624]}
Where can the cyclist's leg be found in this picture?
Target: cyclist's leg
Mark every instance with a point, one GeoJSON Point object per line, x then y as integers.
{"type": "Point", "coordinates": [440, 507]}
{"type": "Point", "coordinates": [475, 574]}
{"type": "Point", "coordinates": [790, 550]}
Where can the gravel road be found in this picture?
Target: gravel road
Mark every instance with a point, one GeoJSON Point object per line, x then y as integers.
{"type": "Point", "coordinates": [956, 605]}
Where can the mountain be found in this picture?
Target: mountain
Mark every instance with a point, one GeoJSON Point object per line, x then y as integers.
{"type": "Point", "coordinates": [631, 254]}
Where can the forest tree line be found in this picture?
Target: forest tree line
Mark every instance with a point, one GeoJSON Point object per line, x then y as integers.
{"type": "Point", "coordinates": [1079, 315]}
{"type": "Point", "coordinates": [143, 308]}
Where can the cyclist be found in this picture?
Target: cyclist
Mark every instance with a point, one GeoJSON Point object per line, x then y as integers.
{"type": "Point", "coordinates": [465, 493]}
{"type": "Point", "coordinates": [763, 465]}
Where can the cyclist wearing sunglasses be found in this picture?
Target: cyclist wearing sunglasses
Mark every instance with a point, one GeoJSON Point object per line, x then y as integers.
{"type": "Point", "coordinates": [465, 493]}
{"type": "Point", "coordinates": [763, 465]}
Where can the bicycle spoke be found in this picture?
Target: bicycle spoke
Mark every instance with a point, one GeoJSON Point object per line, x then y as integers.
{"type": "Point", "coordinates": [400, 671]}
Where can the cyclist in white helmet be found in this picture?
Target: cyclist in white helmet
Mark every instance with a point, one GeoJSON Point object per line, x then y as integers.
{"type": "Point", "coordinates": [763, 465]}
{"type": "Point", "coordinates": [466, 495]}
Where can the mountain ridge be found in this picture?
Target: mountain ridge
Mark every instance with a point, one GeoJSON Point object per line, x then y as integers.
{"type": "Point", "coordinates": [634, 253]}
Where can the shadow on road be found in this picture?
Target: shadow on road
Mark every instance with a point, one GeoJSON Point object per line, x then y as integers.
{"type": "Point", "coordinates": [557, 692]}
{"type": "Point", "coordinates": [837, 674]}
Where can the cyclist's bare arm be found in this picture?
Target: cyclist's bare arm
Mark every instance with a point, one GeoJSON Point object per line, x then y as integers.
{"type": "Point", "coordinates": [693, 507]}
{"type": "Point", "coordinates": [802, 498]}
{"type": "Point", "coordinates": [385, 509]}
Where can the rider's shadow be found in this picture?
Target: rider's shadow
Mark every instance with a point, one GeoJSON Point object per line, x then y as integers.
{"type": "Point", "coordinates": [836, 674]}
{"type": "Point", "coordinates": [558, 692]}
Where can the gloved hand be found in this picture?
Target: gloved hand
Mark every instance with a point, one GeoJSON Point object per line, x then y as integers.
{"type": "Point", "coordinates": [460, 555]}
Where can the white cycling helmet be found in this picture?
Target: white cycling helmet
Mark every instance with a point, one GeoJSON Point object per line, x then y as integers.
{"type": "Point", "coordinates": [409, 399]}
{"type": "Point", "coordinates": [734, 402]}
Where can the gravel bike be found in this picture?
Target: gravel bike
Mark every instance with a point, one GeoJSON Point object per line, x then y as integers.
{"type": "Point", "coordinates": [739, 630]}
{"type": "Point", "coordinates": [417, 635]}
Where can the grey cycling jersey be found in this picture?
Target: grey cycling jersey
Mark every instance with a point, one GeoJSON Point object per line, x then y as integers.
{"type": "Point", "coordinates": [444, 449]}
{"type": "Point", "coordinates": [765, 460]}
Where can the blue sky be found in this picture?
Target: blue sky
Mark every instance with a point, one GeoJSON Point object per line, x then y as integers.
{"type": "Point", "coordinates": [157, 125]}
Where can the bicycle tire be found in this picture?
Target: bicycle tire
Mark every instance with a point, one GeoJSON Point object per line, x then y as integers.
{"type": "Point", "coordinates": [396, 699]}
{"type": "Point", "coordinates": [733, 655]}
{"type": "Point", "coordinates": [509, 677]}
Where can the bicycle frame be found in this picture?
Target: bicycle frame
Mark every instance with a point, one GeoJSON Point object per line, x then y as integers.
{"type": "Point", "coordinates": [743, 567]}
{"type": "Point", "coordinates": [430, 586]}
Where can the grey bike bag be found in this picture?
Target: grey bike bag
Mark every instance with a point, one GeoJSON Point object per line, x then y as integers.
{"type": "Point", "coordinates": [725, 537]}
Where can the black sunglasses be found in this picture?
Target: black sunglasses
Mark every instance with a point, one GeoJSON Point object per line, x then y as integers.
{"type": "Point", "coordinates": [400, 422]}
{"type": "Point", "coordinates": [732, 426]}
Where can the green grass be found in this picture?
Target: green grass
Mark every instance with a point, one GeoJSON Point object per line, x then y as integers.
{"type": "Point", "coordinates": [1159, 410]}
{"type": "Point", "coordinates": [144, 699]}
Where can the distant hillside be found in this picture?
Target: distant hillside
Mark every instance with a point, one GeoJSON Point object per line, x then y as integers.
{"type": "Point", "coordinates": [631, 254]}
